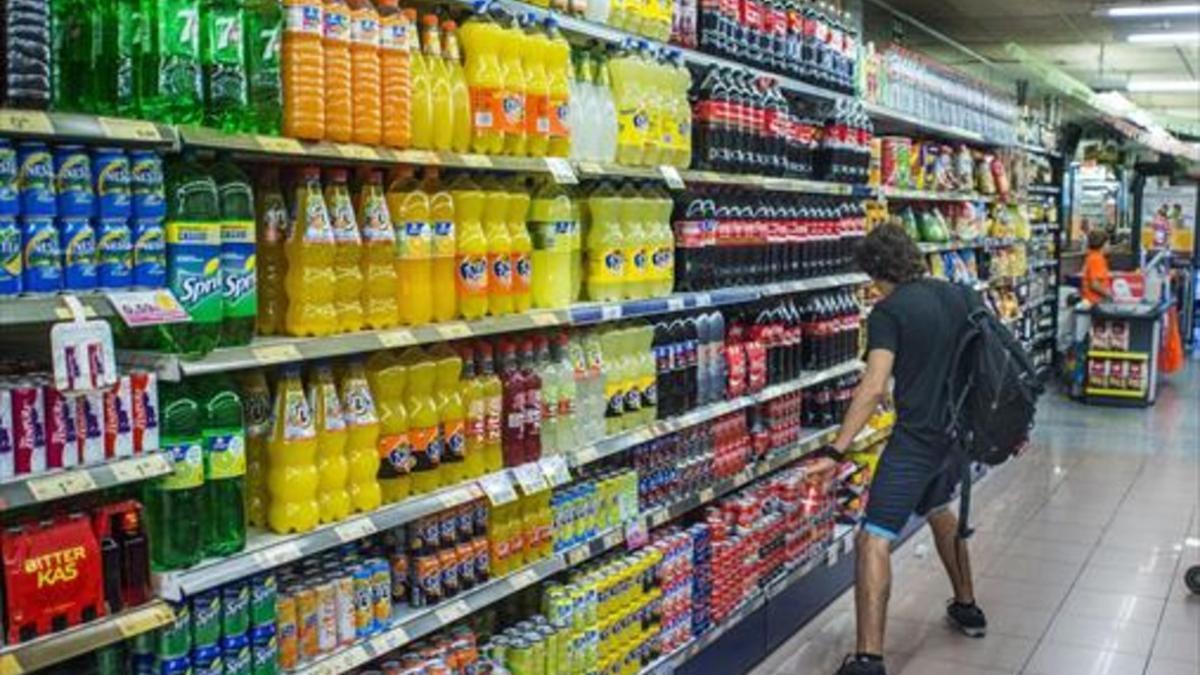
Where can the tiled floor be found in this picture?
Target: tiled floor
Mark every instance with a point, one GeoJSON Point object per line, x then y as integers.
{"type": "Point", "coordinates": [1079, 557]}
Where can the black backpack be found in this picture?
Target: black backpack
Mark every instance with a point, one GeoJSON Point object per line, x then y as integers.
{"type": "Point", "coordinates": [992, 396]}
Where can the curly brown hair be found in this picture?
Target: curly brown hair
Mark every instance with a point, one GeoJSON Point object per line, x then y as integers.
{"type": "Point", "coordinates": [887, 253]}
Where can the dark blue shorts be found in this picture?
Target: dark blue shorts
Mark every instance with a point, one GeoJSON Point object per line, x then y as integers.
{"type": "Point", "coordinates": [913, 476]}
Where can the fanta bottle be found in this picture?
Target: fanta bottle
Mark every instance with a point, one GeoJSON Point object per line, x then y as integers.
{"type": "Point", "coordinates": [396, 99]}
{"type": "Point", "coordinates": [550, 224]}
{"type": "Point", "coordinates": [271, 262]}
{"type": "Point", "coordinates": [256, 401]}
{"type": "Point", "coordinates": [470, 388]}
{"type": "Point", "coordinates": [535, 48]}
{"type": "Point", "coordinates": [633, 212]}
{"type": "Point", "coordinates": [514, 89]}
{"type": "Point", "coordinates": [629, 98]}
{"type": "Point", "coordinates": [606, 262]}
{"type": "Point", "coordinates": [577, 271]}
{"type": "Point", "coordinates": [423, 421]}
{"type": "Point", "coordinates": [332, 468]}
{"type": "Point", "coordinates": [470, 264]}
{"type": "Point", "coordinates": [292, 477]}
{"type": "Point", "coordinates": [451, 413]}
{"type": "Point", "coordinates": [558, 72]}
{"type": "Point", "coordinates": [388, 378]}
{"type": "Point", "coordinates": [421, 109]}
{"type": "Point", "coordinates": [522, 247]}
{"type": "Point", "coordinates": [409, 205]}
{"type": "Point", "coordinates": [438, 72]}
{"type": "Point", "coordinates": [485, 81]}
{"type": "Point", "coordinates": [362, 437]}
{"type": "Point", "coordinates": [310, 253]}
{"type": "Point", "coordinates": [460, 97]}
{"type": "Point", "coordinates": [380, 309]}
{"type": "Point", "coordinates": [339, 92]}
{"type": "Point", "coordinates": [661, 240]}
{"type": "Point", "coordinates": [364, 64]}
{"type": "Point", "coordinates": [347, 261]}
{"type": "Point", "coordinates": [495, 229]}
{"type": "Point", "coordinates": [493, 407]}
{"type": "Point", "coordinates": [303, 70]}
{"type": "Point", "coordinates": [441, 215]}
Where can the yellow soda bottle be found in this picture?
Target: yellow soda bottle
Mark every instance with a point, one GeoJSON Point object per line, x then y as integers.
{"type": "Point", "coordinates": [310, 252]}
{"type": "Point", "coordinates": [513, 105]}
{"type": "Point", "coordinates": [577, 239]}
{"type": "Point", "coordinates": [332, 468]}
{"type": "Point", "coordinates": [423, 422]}
{"type": "Point", "coordinates": [499, 250]}
{"type": "Point", "coordinates": [292, 453]}
{"type": "Point", "coordinates": [256, 402]}
{"type": "Point", "coordinates": [632, 117]}
{"type": "Point", "coordinates": [271, 259]}
{"type": "Point", "coordinates": [421, 108]}
{"type": "Point", "coordinates": [451, 413]}
{"type": "Point", "coordinates": [522, 247]}
{"type": "Point", "coordinates": [471, 251]}
{"type": "Point", "coordinates": [606, 262]}
{"type": "Point", "coordinates": [662, 245]}
{"type": "Point", "coordinates": [388, 378]}
{"type": "Point", "coordinates": [534, 49]}
{"type": "Point", "coordinates": [460, 97]}
{"type": "Point", "coordinates": [471, 390]}
{"type": "Point", "coordinates": [379, 254]}
{"type": "Point", "coordinates": [444, 249]}
{"type": "Point", "coordinates": [409, 205]}
{"type": "Point", "coordinates": [436, 70]}
{"type": "Point", "coordinates": [493, 407]}
{"type": "Point", "coordinates": [633, 211]}
{"type": "Point", "coordinates": [559, 73]}
{"type": "Point", "coordinates": [347, 260]}
{"type": "Point", "coordinates": [550, 225]}
{"type": "Point", "coordinates": [499, 535]}
{"type": "Point", "coordinates": [362, 437]}
{"type": "Point", "coordinates": [485, 82]}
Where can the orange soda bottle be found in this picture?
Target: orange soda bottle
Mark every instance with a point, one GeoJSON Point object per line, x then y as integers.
{"type": "Point", "coordinates": [522, 247]}
{"type": "Point", "coordinates": [460, 97]}
{"type": "Point", "coordinates": [388, 378]}
{"type": "Point", "coordinates": [471, 263]}
{"type": "Point", "coordinates": [394, 74]}
{"type": "Point", "coordinates": [423, 421]}
{"type": "Point", "coordinates": [409, 205]}
{"type": "Point", "coordinates": [271, 260]}
{"type": "Point", "coordinates": [364, 65]}
{"type": "Point", "coordinates": [451, 413]}
{"type": "Point", "coordinates": [302, 70]}
{"type": "Point", "coordinates": [362, 436]}
{"type": "Point", "coordinates": [480, 38]}
{"type": "Point", "coordinates": [499, 251]}
{"type": "Point", "coordinates": [339, 126]}
{"type": "Point", "coordinates": [332, 468]}
{"type": "Point", "coordinates": [380, 309]}
{"type": "Point", "coordinates": [441, 214]}
{"type": "Point", "coordinates": [534, 49]}
{"type": "Point", "coordinates": [310, 252]}
{"type": "Point", "coordinates": [474, 408]}
{"type": "Point", "coordinates": [511, 42]}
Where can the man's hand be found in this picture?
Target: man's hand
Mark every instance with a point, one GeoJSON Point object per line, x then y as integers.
{"type": "Point", "coordinates": [829, 452]}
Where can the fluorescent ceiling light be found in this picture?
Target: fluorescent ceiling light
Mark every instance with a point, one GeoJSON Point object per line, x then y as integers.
{"type": "Point", "coordinates": [1163, 85]}
{"type": "Point", "coordinates": [1153, 10]}
{"type": "Point", "coordinates": [1165, 38]}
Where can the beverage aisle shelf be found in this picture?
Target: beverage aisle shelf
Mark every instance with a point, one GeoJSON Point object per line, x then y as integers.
{"type": "Point", "coordinates": [989, 243]}
{"type": "Point", "coordinates": [894, 120]}
{"type": "Point", "coordinates": [96, 129]}
{"type": "Point", "coordinates": [48, 650]}
{"type": "Point", "coordinates": [930, 196]}
{"type": "Point", "coordinates": [34, 309]}
{"type": "Point", "coordinates": [59, 484]}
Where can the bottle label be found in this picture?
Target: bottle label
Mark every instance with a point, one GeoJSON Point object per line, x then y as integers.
{"type": "Point", "coordinates": [454, 440]}
{"type": "Point", "coordinates": [560, 111]}
{"type": "Point", "coordinates": [615, 398]}
{"type": "Point", "coordinates": [476, 421]}
{"type": "Point", "coordinates": [633, 398]}
{"type": "Point", "coordinates": [443, 239]}
{"type": "Point", "coordinates": [10, 256]}
{"type": "Point", "coordinates": [426, 448]}
{"type": "Point", "coordinates": [224, 454]}
{"type": "Point", "coordinates": [304, 18]}
{"type": "Point", "coordinates": [359, 407]}
{"type": "Point", "coordinates": [533, 409]}
{"type": "Point", "coordinates": [365, 30]}
{"type": "Point", "coordinates": [341, 218]}
{"type": "Point", "coordinates": [256, 403]}
{"type": "Point", "coordinates": [274, 221]}
{"type": "Point", "coordinates": [632, 126]}
{"type": "Point", "coordinates": [491, 422]}
{"type": "Point", "coordinates": [607, 266]}
{"type": "Point", "coordinates": [337, 27]}
{"type": "Point", "coordinates": [393, 33]}
{"type": "Point", "coordinates": [149, 252]}
{"type": "Point", "coordinates": [649, 391]}
{"type": "Point", "coordinates": [551, 235]}
{"type": "Point", "coordinates": [238, 274]}
{"type": "Point", "coordinates": [376, 222]}
{"type": "Point", "coordinates": [537, 115]}
{"type": "Point", "coordinates": [395, 455]}
{"type": "Point", "coordinates": [522, 269]}
{"type": "Point", "coordinates": [224, 51]}
{"type": "Point", "coordinates": [193, 269]}
{"type": "Point", "coordinates": [663, 262]}
{"type": "Point", "coordinates": [317, 229]}
{"type": "Point", "coordinates": [637, 258]}
{"type": "Point", "coordinates": [472, 276]}
{"type": "Point", "coordinates": [513, 109]}
{"type": "Point", "coordinates": [485, 104]}
{"type": "Point", "coordinates": [79, 252]}
{"type": "Point", "coordinates": [413, 241]}
{"type": "Point", "coordinates": [188, 468]}
{"type": "Point", "coordinates": [114, 255]}
{"type": "Point", "coordinates": [500, 267]}
{"type": "Point", "coordinates": [324, 397]}
{"type": "Point", "coordinates": [297, 416]}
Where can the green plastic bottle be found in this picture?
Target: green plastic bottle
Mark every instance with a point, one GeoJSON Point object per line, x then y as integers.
{"type": "Point", "coordinates": [224, 527]}
{"type": "Point", "coordinates": [193, 257]}
{"type": "Point", "coordinates": [115, 32]}
{"type": "Point", "coordinates": [263, 36]}
{"type": "Point", "coordinates": [174, 502]}
{"type": "Point", "coordinates": [69, 34]}
{"type": "Point", "coordinates": [222, 53]}
{"type": "Point", "coordinates": [170, 77]}
{"type": "Point", "coordinates": [239, 282]}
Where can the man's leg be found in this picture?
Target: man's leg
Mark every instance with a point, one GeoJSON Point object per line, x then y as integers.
{"type": "Point", "coordinates": [953, 552]}
{"type": "Point", "coordinates": [872, 588]}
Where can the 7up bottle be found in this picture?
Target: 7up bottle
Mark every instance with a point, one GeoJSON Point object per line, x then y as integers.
{"type": "Point", "coordinates": [170, 80]}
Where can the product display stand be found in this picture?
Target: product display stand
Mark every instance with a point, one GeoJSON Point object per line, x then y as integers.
{"type": "Point", "coordinates": [1144, 325]}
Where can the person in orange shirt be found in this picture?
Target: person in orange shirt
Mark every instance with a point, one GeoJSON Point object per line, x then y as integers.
{"type": "Point", "coordinates": [1096, 284]}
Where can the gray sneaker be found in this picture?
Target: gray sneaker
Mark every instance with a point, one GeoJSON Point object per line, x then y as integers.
{"type": "Point", "coordinates": [855, 666]}
{"type": "Point", "coordinates": [967, 618]}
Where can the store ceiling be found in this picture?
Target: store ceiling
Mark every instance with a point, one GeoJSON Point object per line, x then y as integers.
{"type": "Point", "coordinates": [1070, 34]}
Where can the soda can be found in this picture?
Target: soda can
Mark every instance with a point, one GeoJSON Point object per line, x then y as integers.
{"type": "Point", "coordinates": [8, 467]}
{"type": "Point", "coordinates": [343, 588]}
{"type": "Point", "coordinates": [464, 557]}
{"type": "Point", "coordinates": [29, 431]}
{"type": "Point", "coordinates": [207, 661]}
{"type": "Point", "coordinates": [146, 184]}
{"type": "Point", "coordinates": [111, 169]}
{"type": "Point", "coordinates": [175, 639]}
{"type": "Point", "coordinates": [77, 239]}
{"type": "Point", "coordinates": [12, 277]}
{"type": "Point", "coordinates": [518, 656]}
{"type": "Point", "coordinates": [206, 619]}
{"type": "Point", "coordinates": [118, 422]}
{"type": "Point", "coordinates": [177, 666]}
{"type": "Point", "coordinates": [381, 591]}
{"type": "Point", "coordinates": [263, 598]}
{"type": "Point", "coordinates": [482, 555]}
{"type": "Point", "coordinates": [264, 650]}
{"type": "Point", "coordinates": [89, 426]}
{"type": "Point", "coordinates": [235, 608]}
{"type": "Point", "coordinates": [73, 181]}
{"type": "Point", "coordinates": [149, 253]}
{"type": "Point", "coordinates": [235, 651]}
{"type": "Point", "coordinates": [364, 607]}
{"type": "Point", "coordinates": [142, 663]}
{"type": "Point", "coordinates": [399, 564]}
{"type": "Point", "coordinates": [62, 445]}
{"type": "Point", "coordinates": [35, 179]}
{"type": "Point", "coordinates": [10, 202]}
{"type": "Point", "coordinates": [287, 629]}
{"type": "Point", "coordinates": [114, 253]}
{"type": "Point", "coordinates": [308, 622]}
{"type": "Point", "coordinates": [448, 565]}
{"type": "Point", "coordinates": [144, 410]}
{"type": "Point", "coordinates": [426, 587]}
{"type": "Point", "coordinates": [41, 255]}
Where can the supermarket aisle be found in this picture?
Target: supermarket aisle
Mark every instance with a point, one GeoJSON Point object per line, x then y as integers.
{"type": "Point", "coordinates": [1079, 558]}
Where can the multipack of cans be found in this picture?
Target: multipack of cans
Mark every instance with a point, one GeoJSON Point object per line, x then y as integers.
{"type": "Point", "coordinates": [78, 219]}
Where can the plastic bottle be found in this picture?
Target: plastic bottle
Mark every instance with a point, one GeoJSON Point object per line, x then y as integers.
{"type": "Point", "coordinates": [193, 257]}
{"type": "Point", "coordinates": [438, 72]}
{"type": "Point", "coordinates": [292, 477]}
{"type": "Point", "coordinates": [534, 49]}
{"type": "Point", "coordinates": [222, 57]}
{"type": "Point", "coordinates": [28, 58]}
{"type": "Point", "coordinates": [443, 249]}
{"type": "Point", "coordinates": [238, 263]}
{"type": "Point", "coordinates": [310, 254]}
{"type": "Point", "coordinates": [339, 89]}
{"type": "Point", "coordinates": [224, 443]}
{"type": "Point", "coordinates": [451, 414]}
{"type": "Point", "coordinates": [303, 70]}
{"type": "Point", "coordinates": [471, 262]}
{"type": "Point", "coordinates": [493, 398]}
{"type": "Point", "coordinates": [643, 339]}
{"type": "Point", "coordinates": [395, 82]}
{"type": "Point", "coordinates": [263, 37]}
{"type": "Point", "coordinates": [365, 70]}
{"type": "Point", "coordinates": [256, 406]}
{"type": "Point", "coordinates": [513, 102]}
{"type": "Point", "coordinates": [348, 253]}
{"type": "Point", "coordinates": [582, 106]}
{"type": "Point", "coordinates": [606, 249]}
{"type": "Point", "coordinates": [270, 260]}
{"type": "Point", "coordinates": [460, 96]}
{"type": "Point", "coordinates": [174, 502]}
{"type": "Point", "coordinates": [380, 309]}
{"type": "Point", "coordinates": [633, 213]}
{"type": "Point", "coordinates": [421, 110]}
{"type": "Point", "coordinates": [170, 68]}
{"type": "Point", "coordinates": [547, 374]}
{"type": "Point", "coordinates": [521, 247]}
{"type": "Point", "coordinates": [332, 469]}
{"type": "Point", "coordinates": [550, 226]}
{"type": "Point", "coordinates": [409, 205]}
{"type": "Point", "coordinates": [558, 72]}
{"type": "Point", "coordinates": [630, 100]}
{"type": "Point", "coordinates": [362, 437]}
{"type": "Point", "coordinates": [423, 421]}
{"type": "Point", "coordinates": [388, 379]}
{"type": "Point", "coordinates": [500, 276]}
{"type": "Point", "coordinates": [514, 385]}
{"type": "Point", "coordinates": [474, 412]}
{"type": "Point", "coordinates": [606, 114]}
{"type": "Point", "coordinates": [661, 242]}
{"type": "Point", "coordinates": [485, 80]}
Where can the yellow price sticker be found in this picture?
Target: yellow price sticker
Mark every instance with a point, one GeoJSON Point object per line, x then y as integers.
{"type": "Point", "coordinates": [544, 319]}
{"type": "Point", "coordinates": [357, 151]}
{"type": "Point", "coordinates": [9, 665]}
{"type": "Point", "coordinates": [276, 354]}
{"type": "Point", "coordinates": [401, 337]}
{"type": "Point", "coordinates": [476, 161]}
{"type": "Point", "coordinates": [419, 157]}
{"type": "Point", "coordinates": [129, 130]}
{"type": "Point", "coordinates": [25, 122]}
{"type": "Point", "coordinates": [140, 468]}
{"type": "Point", "coordinates": [144, 620]}
{"type": "Point", "coordinates": [287, 146]}
{"type": "Point", "coordinates": [56, 486]}
{"type": "Point", "coordinates": [591, 169]}
{"type": "Point", "coordinates": [455, 330]}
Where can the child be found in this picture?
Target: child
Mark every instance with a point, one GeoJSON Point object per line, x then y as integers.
{"type": "Point", "coordinates": [1096, 284]}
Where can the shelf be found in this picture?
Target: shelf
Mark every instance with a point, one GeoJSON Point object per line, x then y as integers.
{"type": "Point", "coordinates": [45, 651]}
{"type": "Point", "coordinates": [25, 310]}
{"type": "Point", "coordinates": [896, 120]}
{"type": "Point", "coordinates": [988, 243]}
{"type": "Point", "coordinates": [93, 129]}
{"type": "Point", "coordinates": [1128, 356]}
{"type": "Point", "coordinates": [269, 351]}
{"type": "Point", "coordinates": [931, 196]}
{"type": "Point", "coordinates": [56, 484]}
{"type": "Point", "coordinates": [778, 184]}
{"type": "Point", "coordinates": [1115, 393]}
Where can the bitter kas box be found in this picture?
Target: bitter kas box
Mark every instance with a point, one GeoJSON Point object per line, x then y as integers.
{"type": "Point", "coordinates": [52, 577]}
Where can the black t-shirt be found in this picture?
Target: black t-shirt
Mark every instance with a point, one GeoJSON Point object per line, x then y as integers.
{"type": "Point", "coordinates": [920, 322]}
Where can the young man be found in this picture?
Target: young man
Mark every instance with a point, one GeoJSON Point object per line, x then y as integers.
{"type": "Point", "coordinates": [911, 335]}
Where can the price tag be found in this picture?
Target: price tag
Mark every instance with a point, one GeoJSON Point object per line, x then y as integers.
{"type": "Point", "coordinates": [455, 330]}
{"type": "Point", "coordinates": [544, 319]}
{"type": "Point", "coordinates": [671, 175]}
{"type": "Point", "coordinates": [358, 151]}
{"type": "Point", "coordinates": [140, 468]}
{"type": "Point", "coordinates": [458, 496]}
{"type": "Point", "coordinates": [675, 304]}
{"type": "Point", "coordinates": [610, 312]}
{"type": "Point", "coordinates": [658, 517]}
{"type": "Point", "coordinates": [703, 300]}
{"type": "Point", "coordinates": [392, 640]}
{"type": "Point", "coordinates": [498, 488]}
{"type": "Point", "coordinates": [848, 543]}
{"type": "Point", "coordinates": [401, 337]}
{"type": "Point", "coordinates": [280, 145]}
{"type": "Point", "coordinates": [453, 612]}
{"type": "Point", "coordinates": [355, 529]}
{"type": "Point", "coordinates": [591, 168]}
{"type": "Point", "coordinates": [349, 659]}
{"type": "Point", "coordinates": [529, 478]}
{"type": "Point", "coordinates": [9, 665]}
{"type": "Point", "coordinates": [476, 161]}
{"type": "Point", "coordinates": [611, 539]}
{"type": "Point", "coordinates": [555, 470]}
{"type": "Point", "coordinates": [270, 354]}
{"type": "Point", "coordinates": [25, 122]}
{"type": "Point", "coordinates": [706, 176]}
{"type": "Point", "coordinates": [707, 495]}
{"type": "Point", "coordinates": [561, 171]}
{"type": "Point", "coordinates": [576, 555]}
{"type": "Point", "coordinates": [56, 486]}
{"type": "Point", "coordinates": [144, 620]}
{"type": "Point", "coordinates": [420, 157]}
{"type": "Point", "coordinates": [831, 557]}
{"type": "Point", "coordinates": [586, 455]}
{"type": "Point", "coordinates": [129, 130]}
{"type": "Point", "coordinates": [636, 534]}
{"type": "Point", "coordinates": [274, 556]}
{"type": "Point", "coordinates": [522, 579]}
{"type": "Point", "coordinates": [148, 308]}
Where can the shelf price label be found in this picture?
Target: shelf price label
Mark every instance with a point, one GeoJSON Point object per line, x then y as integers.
{"type": "Point", "coordinates": [476, 161]}
{"type": "Point", "coordinates": [555, 470]}
{"type": "Point", "coordinates": [129, 130]}
{"type": "Point", "coordinates": [400, 337]}
{"type": "Point", "coordinates": [140, 468]}
{"type": "Point", "coordinates": [280, 145]}
{"type": "Point", "coordinates": [523, 578]}
{"type": "Point", "coordinates": [56, 486]}
{"type": "Point", "coordinates": [274, 556]}
{"type": "Point", "coordinates": [498, 488]}
{"type": "Point", "coordinates": [455, 330]}
{"type": "Point", "coordinates": [357, 151]}
{"type": "Point", "coordinates": [271, 354]}
{"type": "Point", "coordinates": [25, 122]}
{"type": "Point", "coordinates": [144, 620]}
{"type": "Point", "coordinates": [529, 478]}
{"type": "Point", "coordinates": [453, 612]}
{"type": "Point", "coordinates": [561, 171]}
{"type": "Point", "coordinates": [355, 529]}
{"type": "Point", "coordinates": [393, 639]}
{"type": "Point", "coordinates": [148, 308]}
{"type": "Point", "coordinates": [591, 168]}
{"type": "Point", "coordinates": [671, 176]}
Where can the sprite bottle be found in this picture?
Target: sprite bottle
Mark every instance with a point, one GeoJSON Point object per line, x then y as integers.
{"type": "Point", "coordinates": [170, 79]}
{"type": "Point", "coordinates": [173, 503]}
{"type": "Point", "coordinates": [263, 36]}
{"type": "Point", "coordinates": [193, 257]}
{"type": "Point", "coordinates": [238, 275]}
{"type": "Point", "coordinates": [224, 441]}
{"type": "Point", "coordinates": [222, 54]}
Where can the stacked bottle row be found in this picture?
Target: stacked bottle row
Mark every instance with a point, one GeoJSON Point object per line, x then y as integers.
{"type": "Point", "coordinates": [727, 237]}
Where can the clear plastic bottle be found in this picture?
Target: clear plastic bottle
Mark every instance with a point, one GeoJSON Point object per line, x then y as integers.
{"type": "Point", "coordinates": [256, 404]}
{"type": "Point", "coordinates": [388, 378]}
{"type": "Point", "coordinates": [438, 73]}
{"type": "Point", "coordinates": [394, 61]}
{"type": "Point", "coordinates": [521, 247]}
{"type": "Point", "coordinates": [460, 96]}
{"type": "Point", "coordinates": [271, 261]}
{"type": "Point", "coordinates": [303, 70]}
{"type": "Point", "coordinates": [443, 252]}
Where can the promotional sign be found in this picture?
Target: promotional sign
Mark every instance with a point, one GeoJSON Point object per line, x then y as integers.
{"type": "Point", "coordinates": [1168, 217]}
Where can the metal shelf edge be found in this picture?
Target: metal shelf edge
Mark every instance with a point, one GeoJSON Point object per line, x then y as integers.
{"type": "Point", "coordinates": [57, 484]}
{"type": "Point", "coordinates": [57, 647]}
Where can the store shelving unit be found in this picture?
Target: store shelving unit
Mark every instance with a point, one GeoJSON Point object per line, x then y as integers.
{"type": "Point", "coordinates": [39, 653]}
{"type": "Point", "coordinates": [63, 483]}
